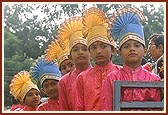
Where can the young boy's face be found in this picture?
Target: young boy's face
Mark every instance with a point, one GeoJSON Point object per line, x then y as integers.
{"type": "Point", "coordinates": [66, 66]}
{"type": "Point", "coordinates": [50, 88]}
{"type": "Point", "coordinates": [80, 54]}
{"type": "Point", "coordinates": [32, 98]}
{"type": "Point", "coordinates": [132, 52]}
{"type": "Point", "coordinates": [101, 52]}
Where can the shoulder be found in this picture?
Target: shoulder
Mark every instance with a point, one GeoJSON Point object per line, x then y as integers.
{"type": "Point", "coordinates": [114, 74]}
{"type": "Point", "coordinates": [41, 106]}
{"type": "Point", "coordinates": [151, 76]}
{"type": "Point", "coordinates": [86, 72]}
{"type": "Point", "coordinates": [65, 77]}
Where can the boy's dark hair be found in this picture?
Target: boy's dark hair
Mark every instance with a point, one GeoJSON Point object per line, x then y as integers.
{"type": "Point", "coordinates": [157, 39]}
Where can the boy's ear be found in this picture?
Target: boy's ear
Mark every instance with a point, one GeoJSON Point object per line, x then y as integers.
{"type": "Point", "coordinates": [119, 53]}
{"type": "Point", "coordinates": [145, 52]}
{"type": "Point", "coordinates": [161, 47]}
{"type": "Point", "coordinates": [42, 90]}
{"type": "Point", "coordinates": [70, 57]}
{"type": "Point", "coordinates": [113, 50]}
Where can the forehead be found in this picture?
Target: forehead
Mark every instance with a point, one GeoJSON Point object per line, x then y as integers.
{"type": "Point", "coordinates": [66, 62]}
{"type": "Point", "coordinates": [97, 43]}
{"type": "Point", "coordinates": [79, 45]}
{"type": "Point", "coordinates": [49, 81]}
{"type": "Point", "coordinates": [32, 90]}
{"type": "Point", "coordinates": [131, 42]}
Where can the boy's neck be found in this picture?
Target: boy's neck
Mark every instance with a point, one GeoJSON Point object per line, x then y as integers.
{"type": "Point", "coordinates": [102, 64]}
{"type": "Point", "coordinates": [82, 66]}
{"type": "Point", "coordinates": [133, 65]}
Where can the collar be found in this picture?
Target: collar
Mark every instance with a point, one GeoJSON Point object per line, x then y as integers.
{"type": "Point", "coordinates": [127, 68]}
{"type": "Point", "coordinates": [97, 67]}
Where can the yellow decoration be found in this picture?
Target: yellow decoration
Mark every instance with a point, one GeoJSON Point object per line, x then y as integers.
{"type": "Point", "coordinates": [56, 53]}
{"type": "Point", "coordinates": [70, 33]}
{"type": "Point", "coordinates": [95, 26]}
{"type": "Point", "coordinates": [21, 84]}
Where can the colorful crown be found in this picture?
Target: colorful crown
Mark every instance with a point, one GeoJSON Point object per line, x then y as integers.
{"type": "Point", "coordinates": [42, 70]}
{"type": "Point", "coordinates": [126, 25]}
{"type": "Point", "coordinates": [55, 52]}
{"type": "Point", "coordinates": [21, 84]}
{"type": "Point", "coordinates": [96, 26]}
{"type": "Point", "coordinates": [70, 33]}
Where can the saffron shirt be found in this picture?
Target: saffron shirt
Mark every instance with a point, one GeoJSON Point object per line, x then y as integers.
{"type": "Point", "coordinates": [67, 86]}
{"type": "Point", "coordinates": [49, 105]}
{"type": "Point", "coordinates": [16, 107]}
{"type": "Point", "coordinates": [28, 108]}
{"type": "Point", "coordinates": [88, 87]}
{"type": "Point", "coordinates": [129, 94]}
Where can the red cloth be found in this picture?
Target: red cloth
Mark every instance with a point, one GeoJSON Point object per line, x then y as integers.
{"type": "Point", "coordinates": [147, 66]}
{"type": "Point", "coordinates": [88, 87]}
{"type": "Point", "coordinates": [67, 90]}
{"type": "Point", "coordinates": [49, 105]}
{"type": "Point", "coordinates": [129, 94]}
{"type": "Point", "coordinates": [16, 107]}
{"type": "Point", "coordinates": [28, 108]}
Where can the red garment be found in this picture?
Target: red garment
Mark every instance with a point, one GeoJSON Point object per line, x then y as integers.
{"type": "Point", "coordinates": [67, 90]}
{"type": "Point", "coordinates": [28, 108]}
{"type": "Point", "coordinates": [129, 94]}
{"type": "Point", "coordinates": [16, 107]}
{"type": "Point", "coordinates": [49, 105]}
{"type": "Point", "coordinates": [147, 66]}
{"type": "Point", "coordinates": [88, 87]}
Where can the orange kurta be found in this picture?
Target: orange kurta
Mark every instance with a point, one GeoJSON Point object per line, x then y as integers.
{"type": "Point", "coordinates": [50, 105]}
{"type": "Point", "coordinates": [88, 87]}
{"type": "Point", "coordinates": [28, 108]}
{"type": "Point", "coordinates": [129, 94]}
{"type": "Point", "coordinates": [67, 90]}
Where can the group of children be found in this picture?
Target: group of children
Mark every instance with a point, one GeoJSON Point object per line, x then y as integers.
{"type": "Point", "coordinates": [66, 76]}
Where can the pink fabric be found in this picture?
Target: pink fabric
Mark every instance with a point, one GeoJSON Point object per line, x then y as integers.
{"type": "Point", "coordinates": [129, 94]}
{"type": "Point", "coordinates": [67, 90]}
{"type": "Point", "coordinates": [28, 108]}
{"type": "Point", "coordinates": [88, 87]}
{"type": "Point", "coordinates": [50, 105]}
{"type": "Point", "coordinates": [16, 107]}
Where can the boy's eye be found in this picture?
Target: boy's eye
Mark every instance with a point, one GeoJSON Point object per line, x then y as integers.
{"type": "Point", "coordinates": [45, 86]}
{"type": "Point", "coordinates": [29, 95]}
{"type": "Point", "coordinates": [103, 46]}
{"type": "Point", "coordinates": [84, 49]}
{"type": "Point", "coordinates": [92, 47]}
{"type": "Point", "coordinates": [125, 46]}
{"type": "Point", "coordinates": [37, 93]}
{"type": "Point", "coordinates": [74, 49]}
{"type": "Point", "coordinates": [53, 83]}
{"type": "Point", "coordinates": [137, 45]}
{"type": "Point", "coordinates": [63, 68]}
{"type": "Point", "coordinates": [71, 64]}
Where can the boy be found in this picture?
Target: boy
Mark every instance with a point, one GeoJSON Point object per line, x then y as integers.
{"type": "Point", "coordinates": [56, 53]}
{"type": "Point", "coordinates": [131, 50]}
{"type": "Point", "coordinates": [101, 47]}
{"type": "Point", "coordinates": [25, 91]}
{"type": "Point", "coordinates": [48, 75]}
{"type": "Point", "coordinates": [70, 35]}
